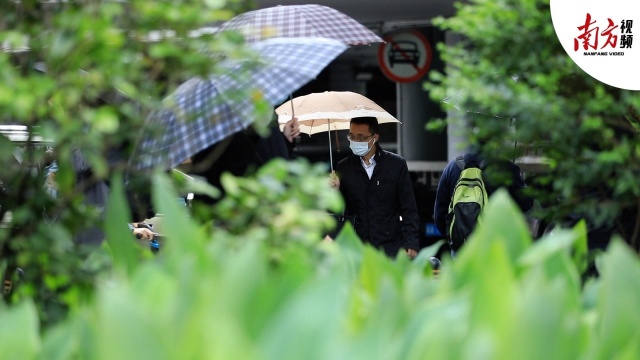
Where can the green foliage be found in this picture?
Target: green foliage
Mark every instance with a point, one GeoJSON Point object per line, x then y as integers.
{"type": "Point", "coordinates": [510, 65]}
{"type": "Point", "coordinates": [616, 309]}
{"type": "Point", "coordinates": [297, 209]}
{"type": "Point", "coordinates": [119, 236]}
{"type": "Point", "coordinates": [81, 77]}
{"type": "Point", "coordinates": [19, 332]}
{"type": "Point", "coordinates": [254, 280]}
{"type": "Point", "coordinates": [503, 297]}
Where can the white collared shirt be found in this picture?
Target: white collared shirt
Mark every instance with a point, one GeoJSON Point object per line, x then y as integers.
{"type": "Point", "coordinates": [369, 168]}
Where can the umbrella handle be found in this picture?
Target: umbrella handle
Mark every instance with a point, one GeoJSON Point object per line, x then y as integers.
{"type": "Point", "coordinates": [297, 138]}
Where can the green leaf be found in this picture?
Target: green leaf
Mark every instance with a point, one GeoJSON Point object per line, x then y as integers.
{"type": "Point", "coordinates": [548, 246]}
{"type": "Point", "coordinates": [183, 235]}
{"type": "Point", "coordinates": [579, 253]}
{"type": "Point", "coordinates": [61, 341]}
{"type": "Point", "coordinates": [547, 320]}
{"type": "Point", "coordinates": [199, 185]}
{"type": "Point", "coordinates": [490, 277]}
{"type": "Point", "coordinates": [122, 325]}
{"type": "Point", "coordinates": [121, 241]}
{"type": "Point", "coordinates": [501, 223]}
{"type": "Point", "coordinates": [19, 331]}
{"type": "Point", "coordinates": [106, 121]}
{"type": "Point", "coordinates": [348, 239]}
{"type": "Point", "coordinates": [287, 337]}
{"type": "Point", "coordinates": [374, 267]}
{"type": "Point", "coordinates": [619, 292]}
{"type": "Point", "coordinates": [553, 254]}
{"type": "Point", "coordinates": [422, 261]}
{"type": "Point", "coordinates": [439, 328]}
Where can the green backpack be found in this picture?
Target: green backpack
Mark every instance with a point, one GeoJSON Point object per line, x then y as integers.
{"type": "Point", "coordinates": [467, 201]}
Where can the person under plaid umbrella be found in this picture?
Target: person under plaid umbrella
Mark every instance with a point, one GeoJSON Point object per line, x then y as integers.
{"type": "Point", "coordinates": [300, 21]}
{"type": "Point", "coordinates": [202, 112]}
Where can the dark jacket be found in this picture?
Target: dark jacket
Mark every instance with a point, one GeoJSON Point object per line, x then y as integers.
{"type": "Point", "coordinates": [96, 195]}
{"type": "Point", "coordinates": [495, 175]}
{"type": "Point", "coordinates": [236, 155]}
{"type": "Point", "coordinates": [378, 203]}
{"type": "Point", "coordinates": [274, 145]}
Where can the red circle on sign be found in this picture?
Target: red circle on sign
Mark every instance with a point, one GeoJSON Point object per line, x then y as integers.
{"type": "Point", "coordinates": [404, 55]}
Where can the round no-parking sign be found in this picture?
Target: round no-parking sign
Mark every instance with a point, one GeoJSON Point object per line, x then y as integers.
{"type": "Point", "coordinates": [405, 56]}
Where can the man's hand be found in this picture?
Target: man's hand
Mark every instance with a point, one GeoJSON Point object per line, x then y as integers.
{"type": "Point", "coordinates": [334, 181]}
{"type": "Point", "coordinates": [291, 129]}
{"type": "Point", "coordinates": [411, 253]}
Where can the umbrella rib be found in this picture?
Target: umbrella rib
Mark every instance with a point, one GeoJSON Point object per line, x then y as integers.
{"type": "Point", "coordinates": [339, 101]}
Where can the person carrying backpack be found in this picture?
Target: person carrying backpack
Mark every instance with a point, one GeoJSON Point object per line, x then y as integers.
{"type": "Point", "coordinates": [456, 212]}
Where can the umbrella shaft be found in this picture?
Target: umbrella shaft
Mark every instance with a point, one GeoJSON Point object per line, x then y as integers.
{"type": "Point", "coordinates": [330, 152]}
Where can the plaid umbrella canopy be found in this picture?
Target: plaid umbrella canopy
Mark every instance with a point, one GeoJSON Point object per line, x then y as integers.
{"type": "Point", "coordinates": [300, 21]}
{"type": "Point", "coordinates": [202, 112]}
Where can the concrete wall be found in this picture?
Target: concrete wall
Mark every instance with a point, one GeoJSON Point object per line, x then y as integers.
{"type": "Point", "coordinates": [415, 109]}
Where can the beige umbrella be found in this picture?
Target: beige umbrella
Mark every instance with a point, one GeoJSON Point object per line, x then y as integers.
{"type": "Point", "coordinates": [330, 110]}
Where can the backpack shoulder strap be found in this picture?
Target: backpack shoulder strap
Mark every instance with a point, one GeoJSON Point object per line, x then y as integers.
{"type": "Point", "coordinates": [460, 162]}
{"type": "Point", "coordinates": [472, 161]}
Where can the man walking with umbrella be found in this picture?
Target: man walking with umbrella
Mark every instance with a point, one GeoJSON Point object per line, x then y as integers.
{"type": "Point", "coordinates": [377, 190]}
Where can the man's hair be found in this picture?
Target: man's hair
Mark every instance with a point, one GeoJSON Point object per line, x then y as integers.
{"type": "Point", "coordinates": [367, 120]}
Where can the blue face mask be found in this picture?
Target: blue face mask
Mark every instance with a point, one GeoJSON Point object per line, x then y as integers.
{"type": "Point", "coordinates": [360, 148]}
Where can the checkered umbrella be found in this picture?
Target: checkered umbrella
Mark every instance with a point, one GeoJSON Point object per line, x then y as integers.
{"type": "Point", "coordinates": [300, 21]}
{"type": "Point", "coordinates": [202, 112]}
